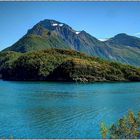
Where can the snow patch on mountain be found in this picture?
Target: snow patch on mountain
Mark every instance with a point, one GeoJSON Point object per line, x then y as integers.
{"type": "Point", "coordinates": [103, 39]}
{"type": "Point", "coordinates": [54, 24]}
{"type": "Point", "coordinates": [77, 32]}
{"type": "Point", "coordinates": [61, 25]}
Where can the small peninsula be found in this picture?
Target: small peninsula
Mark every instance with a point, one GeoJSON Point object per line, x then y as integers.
{"type": "Point", "coordinates": [63, 65]}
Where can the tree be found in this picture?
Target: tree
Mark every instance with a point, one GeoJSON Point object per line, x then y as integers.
{"type": "Point", "coordinates": [104, 130]}
{"type": "Point", "coordinates": [128, 127]}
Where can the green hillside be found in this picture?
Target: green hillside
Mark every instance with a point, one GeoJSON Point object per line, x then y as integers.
{"type": "Point", "coordinates": [126, 40]}
{"type": "Point", "coordinates": [120, 48]}
{"type": "Point", "coordinates": [36, 42]}
{"type": "Point", "coordinates": [63, 65]}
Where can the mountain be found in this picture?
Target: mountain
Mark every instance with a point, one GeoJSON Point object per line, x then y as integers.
{"type": "Point", "coordinates": [125, 48]}
{"type": "Point", "coordinates": [53, 34]}
{"type": "Point", "coordinates": [126, 40]}
{"type": "Point", "coordinates": [63, 65]}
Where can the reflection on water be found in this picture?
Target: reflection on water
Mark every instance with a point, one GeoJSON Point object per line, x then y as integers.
{"type": "Point", "coordinates": [63, 110]}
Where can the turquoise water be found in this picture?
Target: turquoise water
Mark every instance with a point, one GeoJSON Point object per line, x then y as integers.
{"type": "Point", "coordinates": [63, 110]}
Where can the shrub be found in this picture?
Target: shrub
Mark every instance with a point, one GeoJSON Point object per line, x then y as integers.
{"type": "Point", "coordinates": [128, 127]}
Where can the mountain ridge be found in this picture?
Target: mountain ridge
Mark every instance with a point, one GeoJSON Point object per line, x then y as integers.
{"type": "Point", "coordinates": [54, 34]}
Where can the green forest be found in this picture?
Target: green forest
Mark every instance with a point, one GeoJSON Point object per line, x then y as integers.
{"type": "Point", "coordinates": [63, 65]}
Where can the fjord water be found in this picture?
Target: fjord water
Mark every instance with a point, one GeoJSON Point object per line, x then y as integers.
{"type": "Point", "coordinates": [63, 110]}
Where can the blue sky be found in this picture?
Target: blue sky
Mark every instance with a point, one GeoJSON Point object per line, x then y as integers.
{"type": "Point", "coordinates": [101, 19]}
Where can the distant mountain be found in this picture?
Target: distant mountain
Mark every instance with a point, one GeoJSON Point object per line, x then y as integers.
{"type": "Point", "coordinates": [54, 34]}
{"type": "Point", "coordinates": [126, 40]}
{"type": "Point", "coordinates": [125, 48]}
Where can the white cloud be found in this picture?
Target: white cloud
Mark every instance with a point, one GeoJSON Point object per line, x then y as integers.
{"type": "Point", "coordinates": [137, 33]}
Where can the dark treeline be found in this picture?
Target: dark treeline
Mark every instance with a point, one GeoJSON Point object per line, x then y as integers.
{"type": "Point", "coordinates": [63, 65]}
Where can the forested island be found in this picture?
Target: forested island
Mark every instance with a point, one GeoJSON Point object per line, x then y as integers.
{"type": "Point", "coordinates": [63, 65]}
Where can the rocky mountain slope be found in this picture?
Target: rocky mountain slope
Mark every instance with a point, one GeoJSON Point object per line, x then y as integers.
{"type": "Point", "coordinates": [53, 34]}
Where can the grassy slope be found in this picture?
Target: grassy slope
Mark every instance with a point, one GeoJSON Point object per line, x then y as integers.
{"type": "Point", "coordinates": [41, 38]}
{"type": "Point", "coordinates": [122, 54]}
{"type": "Point", "coordinates": [64, 65]}
{"type": "Point", "coordinates": [127, 55]}
{"type": "Point", "coordinates": [36, 42]}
